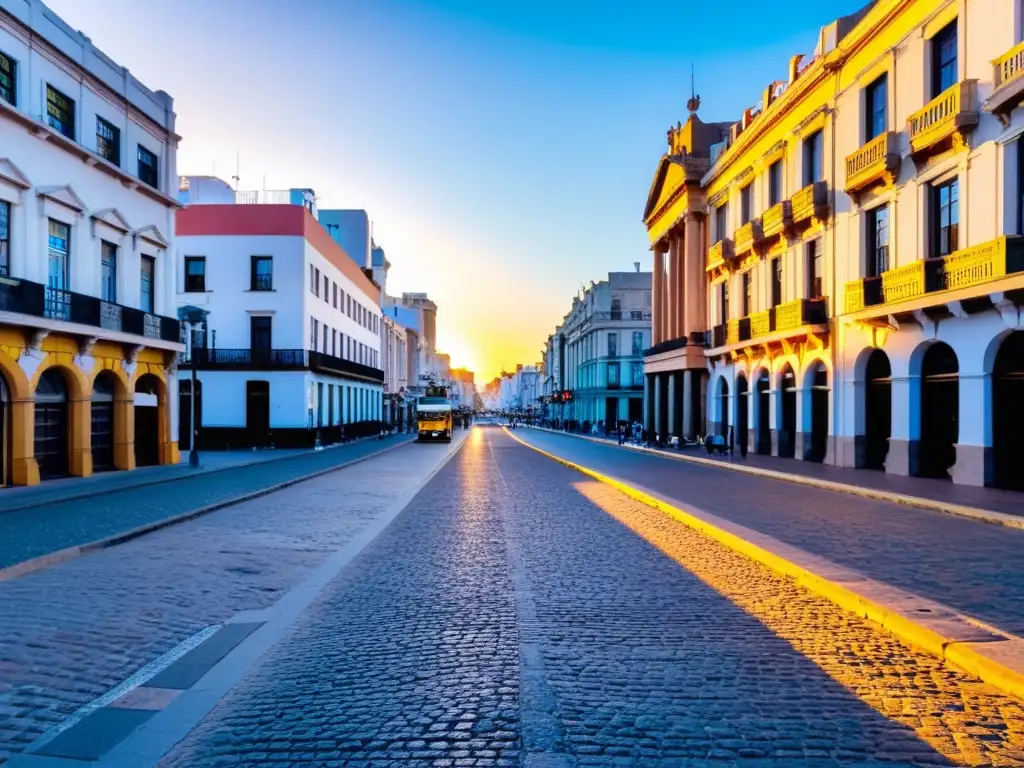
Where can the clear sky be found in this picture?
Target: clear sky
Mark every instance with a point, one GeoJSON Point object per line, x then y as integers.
{"type": "Point", "coordinates": [503, 148]}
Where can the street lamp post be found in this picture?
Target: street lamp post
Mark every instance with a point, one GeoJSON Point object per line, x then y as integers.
{"type": "Point", "coordinates": [193, 319]}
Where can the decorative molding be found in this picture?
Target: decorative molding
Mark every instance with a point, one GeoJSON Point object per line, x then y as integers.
{"type": "Point", "coordinates": [36, 339]}
{"type": "Point", "coordinates": [85, 345]}
{"type": "Point", "coordinates": [131, 355]}
{"type": "Point", "coordinates": [818, 114]}
{"type": "Point", "coordinates": [112, 218]}
{"type": "Point", "coordinates": [151, 234]}
{"type": "Point", "coordinates": [63, 195]}
{"type": "Point", "coordinates": [11, 174]}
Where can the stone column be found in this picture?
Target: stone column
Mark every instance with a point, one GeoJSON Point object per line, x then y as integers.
{"type": "Point", "coordinates": [675, 286]}
{"type": "Point", "coordinates": [975, 429]}
{"type": "Point", "coordinates": [657, 308]}
{"type": "Point", "coordinates": [906, 425]}
{"type": "Point", "coordinates": [24, 469]}
{"type": "Point", "coordinates": [671, 405]}
{"type": "Point", "coordinates": [658, 404]}
{"type": "Point", "coordinates": [124, 430]}
{"type": "Point", "coordinates": [694, 300]}
{"type": "Point", "coordinates": [688, 395]}
{"type": "Point", "coordinates": [80, 425]}
{"type": "Point", "coordinates": [649, 401]}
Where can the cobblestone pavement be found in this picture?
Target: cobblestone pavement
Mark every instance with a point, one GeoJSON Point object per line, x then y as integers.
{"type": "Point", "coordinates": [74, 631]}
{"type": "Point", "coordinates": [974, 567]}
{"type": "Point", "coordinates": [518, 613]}
{"type": "Point", "coordinates": [28, 533]}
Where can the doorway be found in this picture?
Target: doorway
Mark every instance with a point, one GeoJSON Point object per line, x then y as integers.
{"type": "Point", "coordinates": [764, 410]}
{"type": "Point", "coordinates": [51, 425]}
{"type": "Point", "coordinates": [103, 422]}
{"type": "Point", "coordinates": [742, 412]}
{"type": "Point", "coordinates": [940, 411]}
{"type": "Point", "coordinates": [818, 447]}
{"type": "Point", "coordinates": [723, 409]}
{"type": "Point", "coordinates": [1008, 413]}
{"type": "Point", "coordinates": [257, 412]}
{"type": "Point", "coordinates": [787, 398]}
{"type": "Point", "coordinates": [147, 421]}
{"type": "Point", "coordinates": [877, 410]}
{"type": "Point", "coordinates": [611, 412]}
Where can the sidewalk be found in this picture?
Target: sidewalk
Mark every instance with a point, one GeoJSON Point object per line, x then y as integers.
{"type": "Point", "coordinates": [916, 491]}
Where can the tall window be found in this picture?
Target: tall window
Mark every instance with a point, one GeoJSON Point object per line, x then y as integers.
{"type": "Point", "coordinates": [613, 344]}
{"type": "Point", "coordinates": [721, 220]}
{"type": "Point", "coordinates": [774, 183]}
{"type": "Point", "coordinates": [316, 282]}
{"type": "Point", "coordinates": [723, 301]}
{"type": "Point", "coordinates": [323, 341]}
{"type": "Point", "coordinates": [335, 295]}
{"type": "Point", "coordinates": [108, 268]}
{"type": "Point", "coordinates": [815, 270]}
{"type": "Point", "coordinates": [945, 218]}
{"type": "Point", "coordinates": [636, 374]}
{"type": "Point", "coordinates": [195, 274]}
{"type": "Point", "coordinates": [260, 333]}
{"type": "Point", "coordinates": [327, 290]}
{"type": "Point", "coordinates": [776, 281]}
{"type": "Point", "coordinates": [944, 61]}
{"type": "Point", "coordinates": [745, 194]}
{"type": "Point", "coordinates": [5, 238]}
{"type": "Point", "coordinates": [148, 285]}
{"type": "Point", "coordinates": [638, 343]}
{"type": "Point", "coordinates": [58, 301]}
{"type": "Point", "coordinates": [261, 273]}
{"type": "Point", "coordinates": [878, 241]}
{"type": "Point", "coordinates": [875, 108]}
{"type": "Point", "coordinates": [312, 279]}
{"type": "Point", "coordinates": [8, 80]}
{"type": "Point", "coordinates": [149, 172]}
{"type": "Point", "coordinates": [613, 375]}
{"type": "Point", "coordinates": [814, 146]}
{"type": "Point", "coordinates": [60, 112]}
{"type": "Point", "coordinates": [313, 333]}
{"type": "Point", "coordinates": [334, 342]}
{"type": "Point", "coordinates": [108, 141]}
{"type": "Point", "coordinates": [748, 289]}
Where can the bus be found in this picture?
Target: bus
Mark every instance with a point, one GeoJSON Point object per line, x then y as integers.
{"type": "Point", "coordinates": [434, 415]}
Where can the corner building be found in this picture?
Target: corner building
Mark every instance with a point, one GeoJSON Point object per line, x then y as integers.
{"type": "Point", "coordinates": [88, 341]}
{"type": "Point", "coordinates": [865, 272]}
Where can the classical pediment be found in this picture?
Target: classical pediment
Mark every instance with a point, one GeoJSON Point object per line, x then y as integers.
{"type": "Point", "coordinates": [667, 181]}
{"type": "Point", "coordinates": [113, 219]}
{"type": "Point", "coordinates": [64, 195]}
{"type": "Point", "coordinates": [152, 235]}
{"type": "Point", "coordinates": [11, 174]}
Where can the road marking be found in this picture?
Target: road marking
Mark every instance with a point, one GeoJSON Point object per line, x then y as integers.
{"type": "Point", "coordinates": [144, 674]}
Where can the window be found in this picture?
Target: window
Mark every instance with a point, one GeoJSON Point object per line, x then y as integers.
{"type": "Point", "coordinates": [108, 270]}
{"type": "Point", "coordinates": [195, 274]}
{"type": "Point", "coordinates": [319, 403]}
{"type": "Point", "coordinates": [60, 112]}
{"type": "Point", "coordinates": [335, 295]}
{"type": "Point", "coordinates": [638, 343]}
{"type": "Point", "coordinates": [944, 62]}
{"type": "Point", "coordinates": [5, 238]}
{"type": "Point", "coordinates": [774, 183]}
{"type": "Point", "coordinates": [260, 339]}
{"type": "Point", "coordinates": [313, 330]}
{"type": "Point", "coordinates": [945, 217]}
{"type": "Point", "coordinates": [348, 306]}
{"type": "Point", "coordinates": [636, 374]}
{"type": "Point", "coordinates": [723, 301]}
{"type": "Point", "coordinates": [327, 290]}
{"type": "Point", "coordinates": [324, 339]}
{"type": "Point", "coordinates": [108, 141]}
{"type": "Point", "coordinates": [316, 282]}
{"type": "Point", "coordinates": [745, 195]}
{"type": "Point", "coordinates": [721, 220]}
{"type": "Point", "coordinates": [261, 273]}
{"type": "Point", "coordinates": [776, 281]}
{"type": "Point", "coordinates": [613, 375]}
{"type": "Point", "coordinates": [875, 111]}
{"type": "Point", "coordinates": [58, 301]}
{"type": "Point", "coordinates": [813, 157]}
{"type": "Point", "coordinates": [8, 80]}
{"type": "Point", "coordinates": [312, 280]}
{"type": "Point", "coordinates": [815, 270]}
{"type": "Point", "coordinates": [613, 344]}
{"type": "Point", "coordinates": [147, 291]}
{"type": "Point", "coordinates": [748, 287]}
{"type": "Point", "coordinates": [334, 342]}
{"type": "Point", "coordinates": [878, 241]}
{"type": "Point", "coordinates": [148, 168]}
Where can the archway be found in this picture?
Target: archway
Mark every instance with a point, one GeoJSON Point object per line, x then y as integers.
{"type": "Point", "coordinates": [940, 411]}
{"type": "Point", "coordinates": [723, 408]}
{"type": "Point", "coordinates": [742, 412]}
{"type": "Point", "coordinates": [185, 435]}
{"type": "Point", "coordinates": [5, 429]}
{"type": "Point", "coordinates": [103, 418]}
{"type": "Point", "coordinates": [1008, 413]}
{"type": "Point", "coordinates": [877, 409]}
{"type": "Point", "coordinates": [147, 420]}
{"type": "Point", "coordinates": [764, 423]}
{"type": "Point", "coordinates": [51, 424]}
{"type": "Point", "coordinates": [817, 400]}
{"type": "Point", "coordinates": [787, 400]}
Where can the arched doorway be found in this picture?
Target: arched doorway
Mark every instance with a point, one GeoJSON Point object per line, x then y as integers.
{"type": "Point", "coordinates": [787, 400]}
{"type": "Point", "coordinates": [877, 410]}
{"type": "Point", "coordinates": [742, 413]}
{"type": "Point", "coordinates": [940, 411]}
{"type": "Point", "coordinates": [51, 425]}
{"type": "Point", "coordinates": [5, 429]}
{"type": "Point", "coordinates": [103, 421]}
{"type": "Point", "coordinates": [1008, 413]}
{"type": "Point", "coordinates": [185, 411]}
{"type": "Point", "coordinates": [817, 382]}
{"type": "Point", "coordinates": [764, 405]}
{"type": "Point", "coordinates": [723, 408]}
{"type": "Point", "coordinates": [147, 420]}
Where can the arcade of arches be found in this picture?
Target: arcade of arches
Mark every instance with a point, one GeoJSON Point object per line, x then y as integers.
{"type": "Point", "coordinates": [59, 418]}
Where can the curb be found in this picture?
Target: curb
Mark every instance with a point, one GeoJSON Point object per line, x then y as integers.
{"type": "Point", "coordinates": [1007, 679]}
{"type": "Point", "coordinates": [71, 553]}
{"type": "Point", "coordinates": [83, 494]}
{"type": "Point", "coordinates": [960, 510]}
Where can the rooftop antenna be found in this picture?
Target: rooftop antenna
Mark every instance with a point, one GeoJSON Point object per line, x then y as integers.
{"type": "Point", "coordinates": [694, 103]}
{"type": "Point", "coordinates": [237, 168]}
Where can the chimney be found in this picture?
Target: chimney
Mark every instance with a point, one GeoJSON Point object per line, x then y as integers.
{"type": "Point", "coordinates": [636, 266]}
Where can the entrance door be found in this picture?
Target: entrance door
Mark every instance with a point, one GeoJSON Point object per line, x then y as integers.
{"type": "Point", "coordinates": [723, 408]}
{"type": "Point", "coordinates": [940, 406]}
{"type": "Point", "coordinates": [1008, 414]}
{"type": "Point", "coordinates": [4, 431]}
{"type": "Point", "coordinates": [611, 412]}
{"type": "Point", "coordinates": [764, 423]}
{"type": "Point", "coordinates": [819, 415]}
{"type": "Point", "coordinates": [636, 410]}
{"type": "Point", "coordinates": [742, 413]}
{"type": "Point", "coordinates": [51, 425]}
{"type": "Point", "coordinates": [787, 435]}
{"type": "Point", "coordinates": [877, 410]}
{"type": "Point", "coordinates": [257, 412]}
{"type": "Point", "coordinates": [147, 421]}
{"type": "Point", "coordinates": [103, 422]}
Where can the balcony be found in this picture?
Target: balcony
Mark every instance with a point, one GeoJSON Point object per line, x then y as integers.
{"type": "Point", "coordinates": [777, 220]}
{"type": "Point", "coordinates": [944, 121]}
{"type": "Point", "coordinates": [732, 332]}
{"type": "Point", "coordinates": [319, 361]}
{"type": "Point", "coordinates": [810, 203]}
{"type": "Point", "coordinates": [719, 253]}
{"type": "Point", "coordinates": [762, 323]}
{"type": "Point", "coordinates": [865, 292]}
{"type": "Point", "coordinates": [877, 161]}
{"type": "Point", "coordinates": [1008, 84]}
{"type": "Point", "coordinates": [246, 359]}
{"type": "Point", "coordinates": [37, 300]}
{"type": "Point", "coordinates": [747, 238]}
{"type": "Point", "coordinates": [666, 346]}
{"type": "Point", "coordinates": [911, 280]}
{"type": "Point", "coordinates": [801, 312]}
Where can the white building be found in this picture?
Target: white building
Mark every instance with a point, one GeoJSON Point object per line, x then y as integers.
{"type": "Point", "coordinates": [88, 341]}
{"type": "Point", "coordinates": [293, 347]}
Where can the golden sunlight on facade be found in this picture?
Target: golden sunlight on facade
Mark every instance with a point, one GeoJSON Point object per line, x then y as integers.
{"type": "Point", "coordinates": [839, 275]}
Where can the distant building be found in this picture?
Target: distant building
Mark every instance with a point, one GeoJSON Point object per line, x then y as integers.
{"type": "Point", "coordinates": [352, 230]}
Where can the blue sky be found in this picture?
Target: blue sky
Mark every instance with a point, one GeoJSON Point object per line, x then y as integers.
{"type": "Point", "coordinates": [504, 150]}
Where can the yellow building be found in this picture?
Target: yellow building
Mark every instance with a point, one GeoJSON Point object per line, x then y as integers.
{"type": "Point", "coordinates": [863, 276]}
